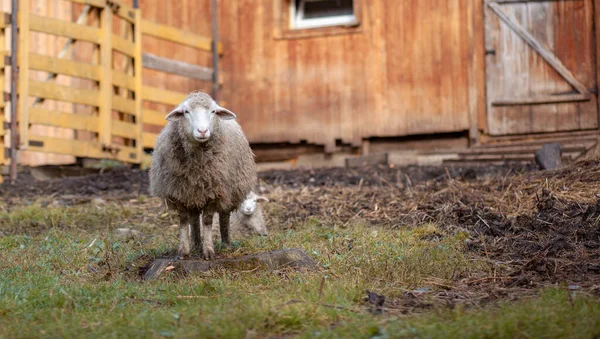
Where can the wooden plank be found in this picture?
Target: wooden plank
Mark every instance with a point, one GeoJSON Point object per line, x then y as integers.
{"type": "Point", "coordinates": [152, 117]}
{"type": "Point", "coordinates": [185, 69]}
{"type": "Point", "coordinates": [63, 93]}
{"type": "Point", "coordinates": [475, 68]}
{"type": "Point", "coordinates": [120, 9]}
{"type": "Point", "coordinates": [124, 129]}
{"type": "Point", "coordinates": [149, 139]}
{"type": "Point", "coordinates": [64, 120]}
{"type": "Point", "coordinates": [63, 28]}
{"type": "Point", "coordinates": [372, 159]}
{"type": "Point", "coordinates": [106, 83]}
{"type": "Point", "coordinates": [138, 74]}
{"type": "Point", "coordinates": [23, 85]}
{"type": "Point", "coordinates": [123, 46]}
{"type": "Point", "coordinates": [540, 49]}
{"type": "Point", "coordinates": [162, 96]}
{"type": "Point", "coordinates": [3, 113]}
{"type": "Point", "coordinates": [78, 148]}
{"type": "Point", "coordinates": [64, 66]}
{"type": "Point", "coordinates": [4, 21]}
{"type": "Point", "coordinates": [124, 105]}
{"type": "Point", "coordinates": [82, 20]}
{"type": "Point", "coordinates": [121, 79]}
{"type": "Point", "coordinates": [540, 100]}
{"type": "Point", "coordinates": [95, 3]}
{"type": "Point", "coordinates": [597, 35]}
{"type": "Point", "coordinates": [178, 36]}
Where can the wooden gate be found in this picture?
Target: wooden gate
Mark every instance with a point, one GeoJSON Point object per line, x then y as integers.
{"type": "Point", "coordinates": [115, 93]}
{"type": "Point", "coordinates": [96, 93]}
{"type": "Point", "coordinates": [540, 66]}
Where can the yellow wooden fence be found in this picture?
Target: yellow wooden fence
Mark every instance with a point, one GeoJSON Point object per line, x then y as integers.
{"type": "Point", "coordinates": [117, 122]}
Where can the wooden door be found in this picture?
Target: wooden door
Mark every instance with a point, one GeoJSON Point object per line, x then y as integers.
{"type": "Point", "coordinates": [540, 66]}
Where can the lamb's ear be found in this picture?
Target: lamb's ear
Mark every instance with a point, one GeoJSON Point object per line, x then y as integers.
{"type": "Point", "coordinates": [224, 113]}
{"type": "Point", "coordinates": [261, 199]}
{"type": "Point", "coordinates": [175, 114]}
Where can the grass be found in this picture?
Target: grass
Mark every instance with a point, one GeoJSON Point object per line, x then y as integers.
{"type": "Point", "coordinates": [71, 278]}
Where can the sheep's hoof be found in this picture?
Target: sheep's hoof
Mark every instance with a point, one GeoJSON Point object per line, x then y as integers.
{"type": "Point", "coordinates": [183, 253]}
{"type": "Point", "coordinates": [209, 253]}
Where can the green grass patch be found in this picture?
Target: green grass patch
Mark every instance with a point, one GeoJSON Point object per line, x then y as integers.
{"type": "Point", "coordinates": [74, 279]}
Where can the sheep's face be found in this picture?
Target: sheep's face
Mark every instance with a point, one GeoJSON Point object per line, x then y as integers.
{"type": "Point", "coordinates": [199, 115]}
{"type": "Point", "coordinates": [248, 207]}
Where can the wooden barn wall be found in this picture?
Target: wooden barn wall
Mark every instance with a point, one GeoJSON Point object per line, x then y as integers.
{"type": "Point", "coordinates": [405, 72]}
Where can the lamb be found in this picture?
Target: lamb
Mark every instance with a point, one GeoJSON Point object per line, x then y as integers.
{"type": "Point", "coordinates": [202, 164]}
{"type": "Point", "coordinates": [247, 219]}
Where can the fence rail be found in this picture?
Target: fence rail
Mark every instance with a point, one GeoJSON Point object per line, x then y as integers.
{"type": "Point", "coordinates": [117, 120]}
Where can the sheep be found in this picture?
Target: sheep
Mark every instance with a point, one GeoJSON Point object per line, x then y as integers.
{"type": "Point", "coordinates": [247, 219]}
{"type": "Point", "coordinates": [202, 163]}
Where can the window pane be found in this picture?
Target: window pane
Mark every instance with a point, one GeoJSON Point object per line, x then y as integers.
{"type": "Point", "coordinates": [327, 8]}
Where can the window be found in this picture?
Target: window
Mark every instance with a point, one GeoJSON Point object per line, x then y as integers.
{"type": "Point", "coordinates": [321, 13]}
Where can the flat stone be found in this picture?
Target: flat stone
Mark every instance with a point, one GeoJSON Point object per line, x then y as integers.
{"type": "Point", "coordinates": [290, 258]}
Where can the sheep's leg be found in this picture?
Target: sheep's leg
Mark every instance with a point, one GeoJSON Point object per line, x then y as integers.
{"type": "Point", "coordinates": [194, 216]}
{"type": "Point", "coordinates": [184, 235]}
{"type": "Point", "coordinates": [208, 249]}
{"type": "Point", "coordinates": [224, 227]}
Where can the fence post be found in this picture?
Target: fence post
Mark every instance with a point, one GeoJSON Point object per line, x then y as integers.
{"type": "Point", "coordinates": [23, 69]}
{"type": "Point", "coordinates": [215, 50]}
{"type": "Point", "coordinates": [106, 86]}
{"type": "Point", "coordinates": [138, 69]}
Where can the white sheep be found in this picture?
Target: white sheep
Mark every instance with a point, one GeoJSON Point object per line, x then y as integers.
{"type": "Point", "coordinates": [202, 163]}
{"type": "Point", "coordinates": [248, 219]}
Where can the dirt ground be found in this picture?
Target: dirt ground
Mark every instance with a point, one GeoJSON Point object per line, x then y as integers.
{"type": "Point", "coordinates": [534, 228]}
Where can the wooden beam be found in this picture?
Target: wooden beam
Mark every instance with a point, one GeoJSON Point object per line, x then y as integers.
{"type": "Point", "coordinates": [123, 46]}
{"type": "Point", "coordinates": [178, 36]}
{"type": "Point", "coordinates": [152, 117]}
{"type": "Point", "coordinates": [4, 21]}
{"type": "Point", "coordinates": [139, 84]}
{"type": "Point", "coordinates": [540, 100]}
{"type": "Point", "coordinates": [79, 148]}
{"type": "Point", "coordinates": [65, 120]}
{"type": "Point", "coordinates": [64, 66]}
{"type": "Point", "coordinates": [540, 49]}
{"type": "Point", "coordinates": [81, 20]}
{"type": "Point", "coordinates": [124, 105]}
{"type": "Point", "coordinates": [185, 69]}
{"type": "Point", "coordinates": [149, 139]}
{"type": "Point", "coordinates": [23, 85]}
{"type": "Point", "coordinates": [63, 93]}
{"type": "Point", "coordinates": [475, 69]}
{"type": "Point", "coordinates": [63, 28]}
{"type": "Point", "coordinates": [124, 129]}
{"type": "Point", "coordinates": [373, 159]}
{"type": "Point", "coordinates": [95, 3]}
{"type": "Point", "coordinates": [121, 79]}
{"type": "Point", "coordinates": [162, 96]}
{"type": "Point", "coordinates": [106, 83]}
{"type": "Point", "coordinates": [596, 5]}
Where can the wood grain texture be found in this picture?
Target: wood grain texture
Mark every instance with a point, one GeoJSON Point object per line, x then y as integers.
{"type": "Point", "coordinates": [404, 73]}
{"type": "Point", "coordinates": [540, 67]}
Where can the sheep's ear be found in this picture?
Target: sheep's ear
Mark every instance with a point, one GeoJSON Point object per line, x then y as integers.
{"type": "Point", "coordinates": [224, 113]}
{"type": "Point", "coordinates": [262, 199]}
{"type": "Point", "coordinates": [175, 114]}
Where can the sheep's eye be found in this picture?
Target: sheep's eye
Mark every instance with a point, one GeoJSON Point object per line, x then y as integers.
{"type": "Point", "coordinates": [186, 112]}
{"type": "Point", "coordinates": [213, 112]}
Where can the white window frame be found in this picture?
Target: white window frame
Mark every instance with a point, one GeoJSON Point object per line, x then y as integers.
{"type": "Point", "coordinates": [297, 22]}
